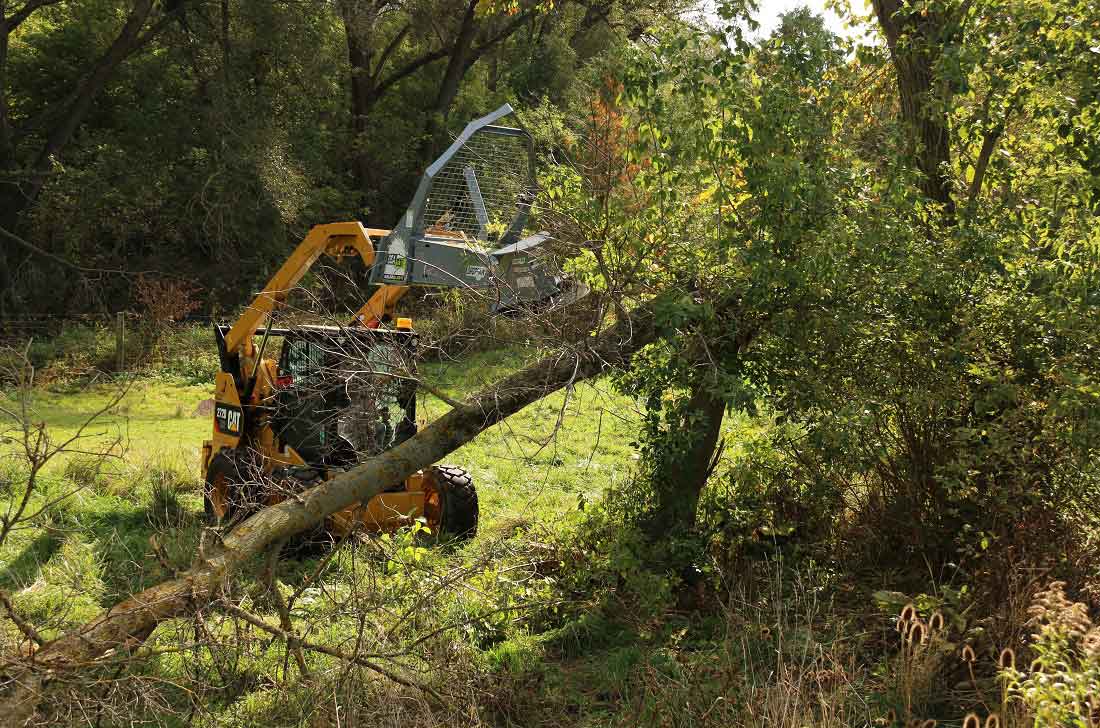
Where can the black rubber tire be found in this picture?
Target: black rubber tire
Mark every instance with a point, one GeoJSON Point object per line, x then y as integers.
{"type": "Point", "coordinates": [458, 501]}
{"type": "Point", "coordinates": [230, 465]}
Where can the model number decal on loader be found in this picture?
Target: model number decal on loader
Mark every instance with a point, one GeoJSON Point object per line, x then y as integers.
{"type": "Point", "coordinates": [227, 419]}
{"type": "Point", "coordinates": [395, 267]}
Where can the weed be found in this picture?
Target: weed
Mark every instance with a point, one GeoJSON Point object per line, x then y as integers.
{"type": "Point", "coordinates": [76, 351]}
{"type": "Point", "coordinates": [461, 324]}
{"type": "Point", "coordinates": [522, 653]}
{"type": "Point", "coordinates": [86, 471]}
{"type": "Point", "coordinates": [1062, 684]}
{"type": "Point", "coordinates": [166, 510]}
{"type": "Point", "coordinates": [915, 673]}
{"type": "Point", "coordinates": [59, 514]}
{"type": "Point", "coordinates": [63, 590]}
{"type": "Point", "coordinates": [80, 352]}
{"type": "Point", "coordinates": [11, 472]}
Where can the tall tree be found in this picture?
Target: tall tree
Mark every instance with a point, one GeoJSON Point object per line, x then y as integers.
{"type": "Point", "coordinates": [29, 151]}
{"type": "Point", "coordinates": [388, 41]}
{"type": "Point", "coordinates": [917, 36]}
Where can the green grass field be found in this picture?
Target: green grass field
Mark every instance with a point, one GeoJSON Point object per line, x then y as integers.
{"type": "Point", "coordinates": [112, 526]}
{"type": "Point", "coordinates": [528, 465]}
{"type": "Point", "coordinates": [93, 543]}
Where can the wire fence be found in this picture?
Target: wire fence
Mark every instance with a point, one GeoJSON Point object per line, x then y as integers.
{"type": "Point", "coordinates": [39, 327]}
{"type": "Point", "coordinates": [477, 191]}
{"type": "Point", "coordinates": [118, 342]}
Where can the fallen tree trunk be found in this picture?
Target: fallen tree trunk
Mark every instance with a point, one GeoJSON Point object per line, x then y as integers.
{"type": "Point", "coordinates": [129, 623]}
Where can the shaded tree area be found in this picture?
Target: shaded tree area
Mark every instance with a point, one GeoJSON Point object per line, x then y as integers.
{"type": "Point", "coordinates": [201, 139]}
{"type": "Point", "coordinates": [867, 246]}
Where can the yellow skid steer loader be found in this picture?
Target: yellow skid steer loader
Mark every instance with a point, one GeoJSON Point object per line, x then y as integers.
{"type": "Point", "coordinates": [335, 395]}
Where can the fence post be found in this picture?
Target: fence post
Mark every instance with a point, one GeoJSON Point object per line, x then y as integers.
{"type": "Point", "coordinates": [120, 341]}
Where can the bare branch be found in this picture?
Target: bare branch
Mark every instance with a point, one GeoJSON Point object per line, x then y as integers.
{"type": "Point", "coordinates": [56, 258]}
{"type": "Point", "coordinates": [28, 631]}
{"type": "Point", "coordinates": [15, 19]}
{"type": "Point", "coordinates": [255, 621]}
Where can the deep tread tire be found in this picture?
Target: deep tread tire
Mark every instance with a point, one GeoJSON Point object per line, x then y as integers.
{"type": "Point", "coordinates": [227, 464]}
{"type": "Point", "coordinates": [458, 500]}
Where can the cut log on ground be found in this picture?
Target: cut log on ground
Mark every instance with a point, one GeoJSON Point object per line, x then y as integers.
{"type": "Point", "coordinates": [129, 623]}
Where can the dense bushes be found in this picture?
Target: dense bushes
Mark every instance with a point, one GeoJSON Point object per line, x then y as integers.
{"type": "Point", "coordinates": [930, 370]}
{"type": "Point", "coordinates": [922, 369]}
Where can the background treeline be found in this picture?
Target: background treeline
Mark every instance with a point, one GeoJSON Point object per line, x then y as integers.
{"type": "Point", "coordinates": [201, 138]}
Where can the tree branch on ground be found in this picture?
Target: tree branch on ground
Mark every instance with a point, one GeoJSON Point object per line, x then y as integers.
{"type": "Point", "coordinates": [131, 621]}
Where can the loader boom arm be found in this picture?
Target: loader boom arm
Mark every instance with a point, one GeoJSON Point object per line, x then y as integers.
{"type": "Point", "coordinates": [338, 239]}
{"type": "Point", "coordinates": [484, 180]}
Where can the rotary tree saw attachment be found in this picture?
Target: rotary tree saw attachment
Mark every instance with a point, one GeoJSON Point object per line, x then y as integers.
{"type": "Point", "coordinates": [338, 395]}
{"type": "Point", "coordinates": [478, 193]}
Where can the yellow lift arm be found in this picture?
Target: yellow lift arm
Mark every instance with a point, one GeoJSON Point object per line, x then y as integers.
{"type": "Point", "coordinates": [338, 240]}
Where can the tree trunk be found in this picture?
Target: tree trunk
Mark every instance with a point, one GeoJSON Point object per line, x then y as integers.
{"type": "Point", "coordinates": [458, 63]}
{"type": "Point", "coordinates": [494, 73]}
{"type": "Point", "coordinates": [5, 122]}
{"type": "Point", "coordinates": [363, 98]}
{"type": "Point", "coordinates": [16, 195]}
{"type": "Point", "coordinates": [127, 624]}
{"type": "Point", "coordinates": [595, 13]}
{"type": "Point", "coordinates": [10, 194]}
{"type": "Point", "coordinates": [915, 46]}
{"type": "Point", "coordinates": [464, 54]}
{"type": "Point", "coordinates": [225, 43]}
{"type": "Point", "coordinates": [128, 40]}
{"type": "Point", "coordinates": [680, 480]}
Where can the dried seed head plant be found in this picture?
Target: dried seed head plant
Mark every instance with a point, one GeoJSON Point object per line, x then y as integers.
{"type": "Point", "coordinates": [1090, 643]}
{"type": "Point", "coordinates": [1060, 686]}
{"type": "Point", "coordinates": [936, 622]}
{"type": "Point", "coordinates": [917, 635]}
{"type": "Point", "coordinates": [1053, 609]}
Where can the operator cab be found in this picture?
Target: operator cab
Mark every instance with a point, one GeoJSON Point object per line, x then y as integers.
{"type": "Point", "coordinates": [344, 395]}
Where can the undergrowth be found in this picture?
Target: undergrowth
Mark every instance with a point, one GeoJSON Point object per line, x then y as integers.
{"type": "Point", "coordinates": [561, 612]}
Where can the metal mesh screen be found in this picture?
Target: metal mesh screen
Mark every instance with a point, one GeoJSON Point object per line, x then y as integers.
{"type": "Point", "coordinates": [344, 398]}
{"type": "Point", "coordinates": [477, 192]}
{"type": "Point", "coordinates": [372, 421]}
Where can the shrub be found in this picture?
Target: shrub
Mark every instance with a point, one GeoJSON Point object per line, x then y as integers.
{"type": "Point", "coordinates": [85, 471]}
{"type": "Point", "coordinates": [68, 589]}
{"type": "Point", "coordinates": [78, 349]}
{"type": "Point", "coordinates": [11, 472]}
{"type": "Point", "coordinates": [1061, 686]}
{"type": "Point", "coordinates": [166, 510]}
{"type": "Point", "coordinates": [192, 367]}
{"type": "Point", "coordinates": [454, 324]}
{"type": "Point", "coordinates": [166, 483]}
{"type": "Point", "coordinates": [165, 299]}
